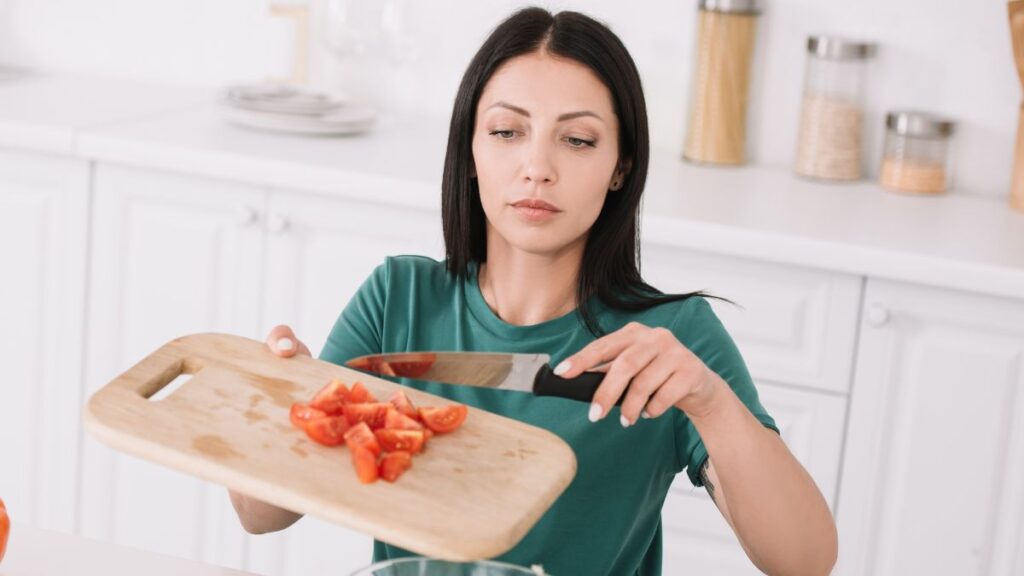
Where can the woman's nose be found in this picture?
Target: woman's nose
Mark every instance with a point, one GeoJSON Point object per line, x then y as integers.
{"type": "Point", "coordinates": [539, 167]}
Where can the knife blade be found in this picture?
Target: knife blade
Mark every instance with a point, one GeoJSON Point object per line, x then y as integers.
{"type": "Point", "coordinates": [522, 372]}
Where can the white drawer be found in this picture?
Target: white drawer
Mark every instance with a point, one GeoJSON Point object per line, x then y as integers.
{"type": "Point", "coordinates": [698, 538]}
{"type": "Point", "coordinates": [793, 325]}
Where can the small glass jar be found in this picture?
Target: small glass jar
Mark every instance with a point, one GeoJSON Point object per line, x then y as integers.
{"type": "Point", "coordinates": [915, 158]}
{"type": "Point", "coordinates": [832, 114]}
{"type": "Point", "coordinates": [717, 130]}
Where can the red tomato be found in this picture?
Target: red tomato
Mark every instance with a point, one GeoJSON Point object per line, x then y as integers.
{"type": "Point", "coordinates": [444, 419]}
{"type": "Point", "coordinates": [329, 431]}
{"type": "Point", "coordinates": [394, 464]}
{"type": "Point", "coordinates": [302, 413]}
{"type": "Point", "coordinates": [331, 398]}
{"type": "Point", "coordinates": [412, 365]}
{"type": "Point", "coordinates": [398, 421]}
{"type": "Point", "coordinates": [360, 394]}
{"type": "Point", "coordinates": [373, 414]}
{"type": "Point", "coordinates": [402, 403]}
{"type": "Point", "coordinates": [360, 436]}
{"type": "Point", "coordinates": [5, 529]}
{"type": "Point", "coordinates": [410, 441]}
{"type": "Point", "coordinates": [365, 463]}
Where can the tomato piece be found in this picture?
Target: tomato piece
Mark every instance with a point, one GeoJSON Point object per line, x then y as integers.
{"type": "Point", "coordinates": [410, 441]}
{"type": "Point", "coordinates": [398, 421]}
{"type": "Point", "coordinates": [444, 419]}
{"type": "Point", "coordinates": [412, 365]}
{"type": "Point", "coordinates": [5, 529]}
{"type": "Point", "coordinates": [360, 394]}
{"type": "Point", "coordinates": [329, 431]}
{"type": "Point", "coordinates": [365, 463]}
{"type": "Point", "coordinates": [394, 464]}
{"type": "Point", "coordinates": [302, 413]}
{"type": "Point", "coordinates": [360, 436]}
{"type": "Point", "coordinates": [402, 403]}
{"type": "Point", "coordinates": [374, 414]}
{"type": "Point", "coordinates": [331, 398]}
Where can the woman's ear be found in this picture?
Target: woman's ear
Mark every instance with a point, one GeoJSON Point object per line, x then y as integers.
{"type": "Point", "coordinates": [619, 178]}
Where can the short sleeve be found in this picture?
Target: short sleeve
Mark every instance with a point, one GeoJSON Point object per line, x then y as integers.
{"type": "Point", "coordinates": [360, 326]}
{"type": "Point", "coordinates": [700, 330]}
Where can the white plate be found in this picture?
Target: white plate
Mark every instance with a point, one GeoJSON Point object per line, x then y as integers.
{"type": "Point", "coordinates": [346, 120]}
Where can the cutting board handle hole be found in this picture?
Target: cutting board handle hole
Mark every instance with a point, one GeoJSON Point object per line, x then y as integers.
{"type": "Point", "coordinates": [171, 387]}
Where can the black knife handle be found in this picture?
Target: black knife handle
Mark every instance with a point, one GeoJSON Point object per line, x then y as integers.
{"type": "Point", "coordinates": [581, 388]}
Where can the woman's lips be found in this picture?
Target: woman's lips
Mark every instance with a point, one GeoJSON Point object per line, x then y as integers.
{"type": "Point", "coordinates": [534, 209]}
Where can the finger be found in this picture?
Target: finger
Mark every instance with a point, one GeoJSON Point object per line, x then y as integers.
{"type": "Point", "coordinates": [646, 384]}
{"type": "Point", "coordinates": [623, 369]}
{"type": "Point", "coordinates": [303, 350]}
{"type": "Point", "coordinates": [664, 398]}
{"type": "Point", "coordinates": [282, 341]}
{"type": "Point", "coordinates": [604, 349]}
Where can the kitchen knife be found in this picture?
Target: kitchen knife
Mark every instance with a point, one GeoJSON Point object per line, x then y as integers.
{"type": "Point", "coordinates": [523, 372]}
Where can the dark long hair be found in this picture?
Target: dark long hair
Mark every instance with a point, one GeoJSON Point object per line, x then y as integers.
{"type": "Point", "coordinates": [609, 268]}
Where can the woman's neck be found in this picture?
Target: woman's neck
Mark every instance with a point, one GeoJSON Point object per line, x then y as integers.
{"type": "Point", "coordinates": [525, 289]}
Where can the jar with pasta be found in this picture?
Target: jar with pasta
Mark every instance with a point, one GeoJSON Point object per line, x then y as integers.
{"type": "Point", "coordinates": [916, 155]}
{"type": "Point", "coordinates": [830, 141]}
{"type": "Point", "coordinates": [717, 129]}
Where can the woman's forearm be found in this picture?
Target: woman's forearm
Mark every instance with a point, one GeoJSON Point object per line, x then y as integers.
{"type": "Point", "coordinates": [776, 509]}
{"type": "Point", "coordinates": [258, 517]}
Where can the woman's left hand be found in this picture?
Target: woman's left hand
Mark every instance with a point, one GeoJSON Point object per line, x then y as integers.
{"type": "Point", "coordinates": [657, 369]}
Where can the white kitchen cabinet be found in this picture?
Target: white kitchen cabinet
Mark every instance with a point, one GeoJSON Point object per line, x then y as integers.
{"type": "Point", "coordinates": [933, 476]}
{"type": "Point", "coordinates": [43, 231]}
{"type": "Point", "coordinates": [697, 539]}
{"type": "Point", "coordinates": [171, 255]}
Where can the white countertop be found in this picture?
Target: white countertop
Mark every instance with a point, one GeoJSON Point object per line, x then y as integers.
{"type": "Point", "coordinates": [35, 552]}
{"type": "Point", "coordinates": [955, 241]}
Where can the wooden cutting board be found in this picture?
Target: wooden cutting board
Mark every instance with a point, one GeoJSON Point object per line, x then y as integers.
{"type": "Point", "coordinates": [471, 494]}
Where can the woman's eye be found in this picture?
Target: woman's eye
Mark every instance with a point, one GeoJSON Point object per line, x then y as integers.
{"type": "Point", "coordinates": [503, 134]}
{"type": "Point", "coordinates": [579, 142]}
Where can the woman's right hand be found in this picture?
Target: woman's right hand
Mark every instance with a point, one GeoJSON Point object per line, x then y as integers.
{"type": "Point", "coordinates": [256, 516]}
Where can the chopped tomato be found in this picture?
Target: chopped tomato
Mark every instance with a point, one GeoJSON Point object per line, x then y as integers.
{"type": "Point", "coordinates": [360, 435]}
{"type": "Point", "coordinates": [302, 413]}
{"type": "Point", "coordinates": [444, 419]}
{"type": "Point", "coordinates": [410, 441]}
{"type": "Point", "coordinates": [402, 403]}
{"type": "Point", "coordinates": [5, 529]}
{"type": "Point", "coordinates": [329, 431]}
{"type": "Point", "coordinates": [383, 368]}
{"type": "Point", "coordinates": [360, 394]}
{"type": "Point", "coordinates": [398, 421]}
{"type": "Point", "coordinates": [331, 398]}
{"type": "Point", "coordinates": [394, 464]}
{"type": "Point", "coordinates": [412, 365]}
{"type": "Point", "coordinates": [373, 414]}
{"type": "Point", "coordinates": [365, 463]}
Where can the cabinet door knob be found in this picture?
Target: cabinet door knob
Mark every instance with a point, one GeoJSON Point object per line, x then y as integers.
{"type": "Point", "coordinates": [878, 315]}
{"type": "Point", "coordinates": [246, 216]}
{"type": "Point", "coordinates": [277, 224]}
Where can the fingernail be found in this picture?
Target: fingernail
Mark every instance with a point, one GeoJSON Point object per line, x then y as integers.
{"type": "Point", "coordinates": [562, 368]}
{"type": "Point", "coordinates": [644, 414]}
{"type": "Point", "coordinates": [595, 412]}
{"type": "Point", "coordinates": [285, 344]}
{"type": "Point", "coordinates": [624, 422]}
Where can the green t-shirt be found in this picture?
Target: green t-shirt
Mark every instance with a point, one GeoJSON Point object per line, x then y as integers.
{"type": "Point", "coordinates": [608, 521]}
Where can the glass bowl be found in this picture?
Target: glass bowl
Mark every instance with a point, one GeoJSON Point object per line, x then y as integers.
{"type": "Point", "coordinates": [431, 567]}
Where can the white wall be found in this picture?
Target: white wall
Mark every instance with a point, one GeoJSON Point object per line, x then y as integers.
{"type": "Point", "coordinates": [947, 56]}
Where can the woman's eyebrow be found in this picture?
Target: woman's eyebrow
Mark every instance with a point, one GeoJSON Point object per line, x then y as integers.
{"type": "Point", "coordinates": [562, 118]}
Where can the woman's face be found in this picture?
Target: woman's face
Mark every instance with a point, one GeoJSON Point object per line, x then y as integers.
{"type": "Point", "coordinates": [546, 152]}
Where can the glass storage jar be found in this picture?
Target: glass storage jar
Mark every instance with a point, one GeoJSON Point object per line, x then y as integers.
{"type": "Point", "coordinates": [916, 153]}
{"type": "Point", "coordinates": [830, 140]}
{"type": "Point", "coordinates": [717, 129]}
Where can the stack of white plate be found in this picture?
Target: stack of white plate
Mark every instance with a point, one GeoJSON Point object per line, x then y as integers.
{"type": "Point", "coordinates": [295, 110]}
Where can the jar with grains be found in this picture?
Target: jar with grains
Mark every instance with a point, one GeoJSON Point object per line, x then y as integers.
{"type": "Point", "coordinates": [832, 113]}
{"type": "Point", "coordinates": [717, 129]}
{"type": "Point", "coordinates": [916, 153]}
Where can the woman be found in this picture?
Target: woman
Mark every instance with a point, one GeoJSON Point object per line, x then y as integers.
{"type": "Point", "coordinates": [547, 159]}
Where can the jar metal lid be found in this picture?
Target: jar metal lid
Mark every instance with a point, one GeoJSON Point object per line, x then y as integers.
{"type": "Point", "coordinates": [731, 6]}
{"type": "Point", "coordinates": [920, 124]}
{"type": "Point", "coordinates": [839, 48]}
